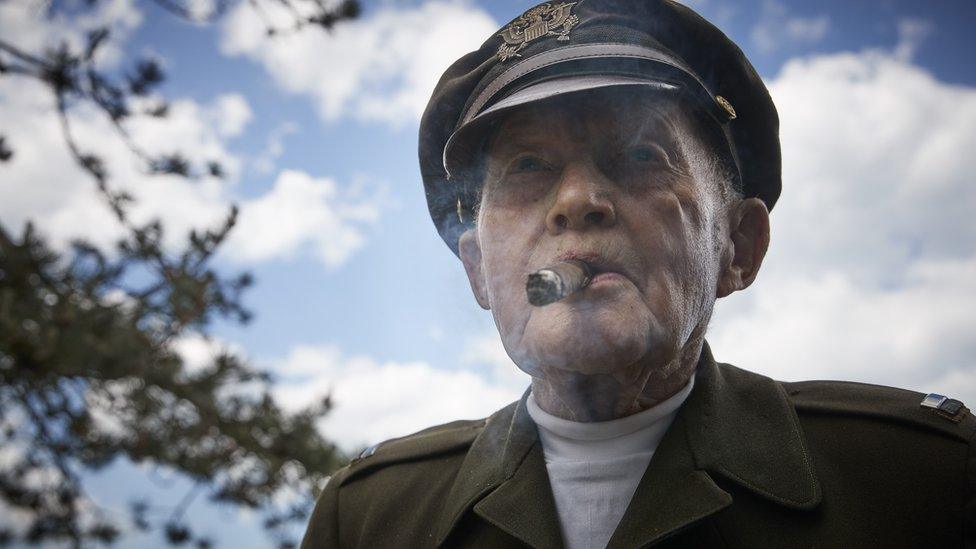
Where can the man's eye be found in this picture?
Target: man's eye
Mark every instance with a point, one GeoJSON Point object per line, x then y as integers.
{"type": "Point", "coordinates": [529, 164]}
{"type": "Point", "coordinates": [648, 154]}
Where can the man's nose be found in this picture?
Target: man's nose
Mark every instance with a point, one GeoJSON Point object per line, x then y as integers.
{"type": "Point", "coordinates": [582, 200]}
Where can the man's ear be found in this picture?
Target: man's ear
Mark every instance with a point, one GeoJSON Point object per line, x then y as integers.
{"type": "Point", "coordinates": [748, 241]}
{"type": "Point", "coordinates": [469, 248]}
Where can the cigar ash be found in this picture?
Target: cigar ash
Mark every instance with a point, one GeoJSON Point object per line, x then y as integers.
{"type": "Point", "coordinates": [557, 281]}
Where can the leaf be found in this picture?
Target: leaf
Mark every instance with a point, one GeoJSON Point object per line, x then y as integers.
{"type": "Point", "coordinates": [5, 152]}
{"type": "Point", "coordinates": [216, 170]}
{"type": "Point", "coordinates": [96, 38]}
{"type": "Point", "coordinates": [159, 111]}
{"type": "Point", "coordinates": [94, 165]}
{"type": "Point", "coordinates": [148, 75]}
{"type": "Point", "coordinates": [177, 534]}
{"type": "Point", "coordinates": [174, 164]}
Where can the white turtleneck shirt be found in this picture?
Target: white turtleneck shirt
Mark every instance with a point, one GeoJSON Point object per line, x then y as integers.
{"type": "Point", "coordinates": [594, 468]}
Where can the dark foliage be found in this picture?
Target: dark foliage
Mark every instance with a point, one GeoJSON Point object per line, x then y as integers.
{"type": "Point", "coordinates": [5, 152]}
{"type": "Point", "coordinates": [88, 372]}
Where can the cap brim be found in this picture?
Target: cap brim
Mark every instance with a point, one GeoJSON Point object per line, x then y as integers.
{"type": "Point", "coordinates": [464, 142]}
{"type": "Point", "coordinates": [560, 86]}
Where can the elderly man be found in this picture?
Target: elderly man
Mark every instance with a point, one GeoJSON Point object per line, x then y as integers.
{"type": "Point", "coordinates": [630, 148]}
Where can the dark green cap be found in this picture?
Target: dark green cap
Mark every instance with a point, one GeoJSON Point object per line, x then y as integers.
{"type": "Point", "coordinates": [558, 48]}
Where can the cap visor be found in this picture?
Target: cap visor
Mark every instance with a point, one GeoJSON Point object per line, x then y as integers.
{"type": "Point", "coordinates": [464, 142]}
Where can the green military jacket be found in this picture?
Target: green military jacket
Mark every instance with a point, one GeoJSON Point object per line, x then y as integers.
{"type": "Point", "coordinates": [748, 462]}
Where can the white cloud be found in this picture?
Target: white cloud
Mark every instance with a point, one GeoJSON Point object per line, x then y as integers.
{"type": "Point", "coordinates": [274, 147]}
{"type": "Point", "coordinates": [199, 351]}
{"type": "Point", "coordinates": [911, 33]}
{"type": "Point", "coordinates": [876, 165]}
{"type": "Point", "coordinates": [809, 29]}
{"type": "Point", "coordinates": [230, 113]}
{"type": "Point", "coordinates": [303, 213]}
{"type": "Point", "coordinates": [829, 327]}
{"type": "Point", "coordinates": [776, 28]}
{"type": "Point", "coordinates": [487, 351]}
{"type": "Point", "coordinates": [382, 67]}
{"type": "Point", "coordinates": [43, 184]}
{"type": "Point", "coordinates": [957, 382]}
{"type": "Point", "coordinates": [375, 401]}
{"type": "Point", "coordinates": [201, 10]}
{"type": "Point", "coordinates": [872, 270]}
{"type": "Point", "coordinates": [24, 24]}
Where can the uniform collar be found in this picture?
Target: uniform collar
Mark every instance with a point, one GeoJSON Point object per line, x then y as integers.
{"type": "Point", "coordinates": [742, 426]}
{"type": "Point", "coordinates": [735, 424]}
{"type": "Point", "coordinates": [502, 476]}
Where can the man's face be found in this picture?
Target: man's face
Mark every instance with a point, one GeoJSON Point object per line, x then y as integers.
{"type": "Point", "coordinates": [620, 181]}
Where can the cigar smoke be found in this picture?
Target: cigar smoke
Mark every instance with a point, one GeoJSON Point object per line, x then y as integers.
{"type": "Point", "coordinates": [557, 281]}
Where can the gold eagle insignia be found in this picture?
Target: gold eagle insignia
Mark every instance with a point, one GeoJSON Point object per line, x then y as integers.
{"type": "Point", "coordinates": [543, 20]}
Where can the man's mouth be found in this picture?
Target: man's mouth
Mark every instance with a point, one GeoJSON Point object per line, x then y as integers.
{"type": "Point", "coordinates": [600, 266]}
{"type": "Point", "coordinates": [605, 276]}
{"type": "Point", "coordinates": [571, 272]}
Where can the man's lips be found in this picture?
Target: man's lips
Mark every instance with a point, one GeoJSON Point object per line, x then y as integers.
{"type": "Point", "coordinates": [603, 268]}
{"type": "Point", "coordinates": [605, 277]}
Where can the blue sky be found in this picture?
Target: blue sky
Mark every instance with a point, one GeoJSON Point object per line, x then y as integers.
{"type": "Point", "coordinates": [870, 276]}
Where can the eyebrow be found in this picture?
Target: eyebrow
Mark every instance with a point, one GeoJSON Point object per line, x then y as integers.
{"type": "Point", "coordinates": [661, 119]}
{"type": "Point", "coordinates": [508, 146]}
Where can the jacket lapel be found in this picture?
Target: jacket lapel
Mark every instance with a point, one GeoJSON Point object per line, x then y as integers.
{"type": "Point", "coordinates": [671, 495]}
{"type": "Point", "coordinates": [523, 506]}
{"type": "Point", "coordinates": [735, 424]}
{"type": "Point", "coordinates": [504, 480]}
{"type": "Point", "coordinates": [742, 426]}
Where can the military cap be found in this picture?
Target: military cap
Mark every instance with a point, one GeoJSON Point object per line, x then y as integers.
{"type": "Point", "coordinates": [558, 48]}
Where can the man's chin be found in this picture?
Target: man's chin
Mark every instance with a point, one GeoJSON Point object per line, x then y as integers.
{"type": "Point", "coordinates": [584, 353]}
{"type": "Point", "coordinates": [601, 336]}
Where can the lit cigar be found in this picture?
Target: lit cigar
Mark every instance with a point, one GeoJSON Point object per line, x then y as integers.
{"type": "Point", "coordinates": [557, 281]}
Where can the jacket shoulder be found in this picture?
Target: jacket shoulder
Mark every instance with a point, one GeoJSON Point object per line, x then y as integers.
{"type": "Point", "coordinates": [375, 485]}
{"type": "Point", "coordinates": [429, 443]}
{"type": "Point", "coordinates": [880, 403]}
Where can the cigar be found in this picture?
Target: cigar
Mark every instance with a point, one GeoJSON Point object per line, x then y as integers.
{"type": "Point", "coordinates": [555, 282]}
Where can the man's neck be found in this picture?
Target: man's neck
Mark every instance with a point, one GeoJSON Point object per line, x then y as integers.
{"type": "Point", "coordinates": [603, 397]}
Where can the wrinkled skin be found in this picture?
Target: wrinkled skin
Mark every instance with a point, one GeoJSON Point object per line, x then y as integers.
{"type": "Point", "coordinates": [623, 182]}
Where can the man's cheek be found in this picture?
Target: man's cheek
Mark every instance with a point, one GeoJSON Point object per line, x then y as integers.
{"type": "Point", "coordinates": [506, 286]}
{"type": "Point", "coordinates": [666, 286]}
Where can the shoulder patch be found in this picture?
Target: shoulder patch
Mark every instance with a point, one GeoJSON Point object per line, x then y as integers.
{"type": "Point", "coordinates": [879, 402]}
{"type": "Point", "coordinates": [949, 408]}
{"type": "Point", "coordinates": [433, 441]}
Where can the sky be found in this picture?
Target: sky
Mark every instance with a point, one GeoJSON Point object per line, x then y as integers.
{"type": "Point", "coordinates": [871, 274]}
